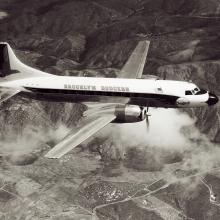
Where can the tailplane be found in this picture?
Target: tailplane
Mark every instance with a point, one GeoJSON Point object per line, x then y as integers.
{"type": "Point", "coordinates": [10, 65]}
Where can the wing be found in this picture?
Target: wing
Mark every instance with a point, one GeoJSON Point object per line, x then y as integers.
{"type": "Point", "coordinates": [88, 127]}
{"type": "Point", "coordinates": [135, 64]}
{"type": "Point", "coordinates": [7, 93]}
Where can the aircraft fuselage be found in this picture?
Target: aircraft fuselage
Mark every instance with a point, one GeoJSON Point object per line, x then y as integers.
{"type": "Point", "coordinates": [142, 92]}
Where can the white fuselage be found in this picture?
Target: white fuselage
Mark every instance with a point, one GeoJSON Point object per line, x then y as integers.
{"type": "Point", "coordinates": [144, 92]}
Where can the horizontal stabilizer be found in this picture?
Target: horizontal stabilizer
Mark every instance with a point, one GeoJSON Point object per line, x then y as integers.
{"type": "Point", "coordinates": [87, 128]}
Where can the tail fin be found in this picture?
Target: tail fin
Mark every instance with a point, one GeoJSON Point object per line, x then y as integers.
{"type": "Point", "coordinates": [10, 64]}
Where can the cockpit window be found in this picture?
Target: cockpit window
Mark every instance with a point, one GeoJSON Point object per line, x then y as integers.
{"type": "Point", "coordinates": [188, 92]}
{"type": "Point", "coordinates": [195, 91]}
{"type": "Point", "coordinates": [201, 92]}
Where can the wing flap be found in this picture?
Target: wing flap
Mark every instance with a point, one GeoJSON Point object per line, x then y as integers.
{"type": "Point", "coordinates": [7, 93]}
{"type": "Point", "coordinates": [74, 138]}
{"type": "Point", "coordinates": [135, 65]}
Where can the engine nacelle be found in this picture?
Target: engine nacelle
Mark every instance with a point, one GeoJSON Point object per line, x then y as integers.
{"type": "Point", "coordinates": [182, 101]}
{"type": "Point", "coordinates": [129, 114]}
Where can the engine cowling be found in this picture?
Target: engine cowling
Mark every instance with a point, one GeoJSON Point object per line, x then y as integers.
{"type": "Point", "coordinates": [129, 114]}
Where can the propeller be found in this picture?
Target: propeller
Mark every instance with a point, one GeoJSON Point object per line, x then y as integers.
{"type": "Point", "coordinates": [147, 123]}
{"type": "Point", "coordinates": [146, 116]}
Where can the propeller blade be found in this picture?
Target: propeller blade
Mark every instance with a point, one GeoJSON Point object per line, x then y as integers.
{"type": "Point", "coordinates": [147, 123]}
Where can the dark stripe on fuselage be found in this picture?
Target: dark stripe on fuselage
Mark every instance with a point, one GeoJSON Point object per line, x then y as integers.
{"type": "Point", "coordinates": [148, 99]}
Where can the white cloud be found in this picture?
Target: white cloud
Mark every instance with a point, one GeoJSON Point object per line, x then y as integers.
{"type": "Point", "coordinates": [170, 131]}
{"type": "Point", "coordinates": [164, 132]}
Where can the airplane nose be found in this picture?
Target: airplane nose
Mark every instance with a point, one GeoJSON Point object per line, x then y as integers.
{"type": "Point", "coordinates": [213, 99]}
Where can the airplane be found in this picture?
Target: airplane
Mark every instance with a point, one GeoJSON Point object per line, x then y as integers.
{"type": "Point", "coordinates": [109, 100]}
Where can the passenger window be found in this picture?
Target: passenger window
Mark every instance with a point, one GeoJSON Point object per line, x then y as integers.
{"type": "Point", "coordinates": [188, 92]}
{"type": "Point", "coordinates": [159, 89]}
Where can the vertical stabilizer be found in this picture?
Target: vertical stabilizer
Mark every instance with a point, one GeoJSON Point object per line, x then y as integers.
{"type": "Point", "coordinates": [11, 65]}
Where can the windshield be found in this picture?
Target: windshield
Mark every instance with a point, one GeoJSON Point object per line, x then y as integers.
{"type": "Point", "coordinates": [195, 91]}
{"type": "Point", "coordinates": [201, 92]}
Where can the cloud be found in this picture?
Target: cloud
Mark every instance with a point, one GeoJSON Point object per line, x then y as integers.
{"type": "Point", "coordinates": [165, 130]}
{"type": "Point", "coordinates": [30, 139]}
{"type": "Point", "coordinates": [171, 133]}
